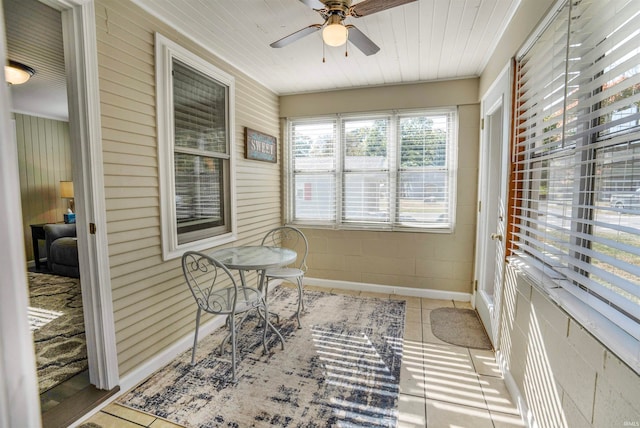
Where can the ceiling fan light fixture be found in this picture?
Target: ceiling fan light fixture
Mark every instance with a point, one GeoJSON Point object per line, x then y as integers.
{"type": "Point", "coordinates": [335, 34]}
{"type": "Point", "coordinates": [17, 73]}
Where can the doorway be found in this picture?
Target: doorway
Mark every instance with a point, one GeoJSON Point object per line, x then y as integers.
{"type": "Point", "coordinates": [41, 132]}
{"type": "Point", "coordinates": [492, 195]}
{"type": "Point", "coordinates": [80, 59]}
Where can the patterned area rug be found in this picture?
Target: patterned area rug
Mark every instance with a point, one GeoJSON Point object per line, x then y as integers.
{"type": "Point", "coordinates": [57, 323]}
{"type": "Point", "coordinates": [341, 369]}
{"type": "Point", "coordinates": [461, 327]}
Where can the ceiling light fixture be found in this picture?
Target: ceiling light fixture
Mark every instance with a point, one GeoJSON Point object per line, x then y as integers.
{"type": "Point", "coordinates": [17, 73]}
{"type": "Point", "coordinates": [335, 33]}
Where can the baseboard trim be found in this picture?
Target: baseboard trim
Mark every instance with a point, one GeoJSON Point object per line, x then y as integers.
{"type": "Point", "coordinates": [139, 374]}
{"type": "Point", "coordinates": [389, 289]}
{"type": "Point", "coordinates": [154, 364]}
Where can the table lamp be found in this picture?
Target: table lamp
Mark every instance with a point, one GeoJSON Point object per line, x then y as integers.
{"type": "Point", "coordinates": [66, 192]}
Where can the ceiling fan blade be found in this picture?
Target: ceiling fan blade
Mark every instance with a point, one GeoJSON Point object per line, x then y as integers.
{"type": "Point", "coordinates": [296, 36]}
{"type": "Point", "coordinates": [361, 41]}
{"type": "Point", "coordinates": [368, 7]}
{"type": "Point", "coordinates": [313, 4]}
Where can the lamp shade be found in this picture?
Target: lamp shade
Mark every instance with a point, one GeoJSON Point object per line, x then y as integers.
{"type": "Point", "coordinates": [335, 33]}
{"type": "Point", "coordinates": [16, 73]}
{"type": "Point", "coordinates": [66, 189]}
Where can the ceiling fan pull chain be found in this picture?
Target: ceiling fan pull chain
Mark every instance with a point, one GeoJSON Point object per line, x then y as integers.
{"type": "Point", "coordinates": [323, 58]}
{"type": "Point", "coordinates": [346, 49]}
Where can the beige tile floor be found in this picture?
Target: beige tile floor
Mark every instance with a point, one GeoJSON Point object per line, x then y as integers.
{"type": "Point", "coordinates": [441, 385]}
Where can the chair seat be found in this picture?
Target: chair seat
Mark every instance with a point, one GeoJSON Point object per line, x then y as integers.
{"type": "Point", "coordinates": [284, 272]}
{"type": "Point", "coordinates": [220, 301]}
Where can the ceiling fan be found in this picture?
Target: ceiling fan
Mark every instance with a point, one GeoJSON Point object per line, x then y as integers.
{"type": "Point", "coordinates": [334, 31]}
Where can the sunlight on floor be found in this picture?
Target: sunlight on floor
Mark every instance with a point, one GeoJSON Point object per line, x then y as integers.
{"type": "Point", "coordinates": [443, 385]}
{"type": "Point", "coordinates": [352, 363]}
{"type": "Point", "coordinates": [39, 317]}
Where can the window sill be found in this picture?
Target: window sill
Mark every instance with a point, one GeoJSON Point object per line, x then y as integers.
{"type": "Point", "coordinates": [350, 227]}
{"type": "Point", "coordinates": [612, 337]}
{"type": "Point", "coordinates": [204, 244]}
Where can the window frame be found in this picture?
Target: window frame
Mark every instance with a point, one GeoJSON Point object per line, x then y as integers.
{"type": "Point", "coordinates": [393, 170]}
{"type": "Point", "coordinates": [564, 273]}
{"type": "Point", "coordinates": [165, 52]}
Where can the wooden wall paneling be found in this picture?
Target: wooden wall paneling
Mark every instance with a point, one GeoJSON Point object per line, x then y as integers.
{"type": "Point", "coordinates": [44, 157]}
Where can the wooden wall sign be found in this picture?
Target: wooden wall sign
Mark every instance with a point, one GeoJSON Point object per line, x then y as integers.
{"type": "Point", "coordinates": [260, 146]}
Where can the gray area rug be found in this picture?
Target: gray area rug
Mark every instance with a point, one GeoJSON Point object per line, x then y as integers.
{"type": "Point", "coordinates": [341, 369]}
{"type": "Point", "coordinates": [57, 324]}
{"type": "Point", "coordinates": [461, 327]}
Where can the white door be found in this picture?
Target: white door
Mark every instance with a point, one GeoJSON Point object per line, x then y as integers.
{"type": "Point", "coordinates": [492, 206]}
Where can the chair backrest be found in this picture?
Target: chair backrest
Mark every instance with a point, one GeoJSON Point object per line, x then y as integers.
{"type": "Point", "coordinates": [211, 283]}
{"type": "Point", "coordinates": [289, 237]}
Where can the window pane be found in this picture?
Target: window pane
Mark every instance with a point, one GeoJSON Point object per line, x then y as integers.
{"type": "Point", "coordinates": [423, 197]}
{"type": "Point", "coordinates": [423, 180]}
{"type": "Point", "coordinates": [314, 146]}
{"type": "Point", "coordinates": [423, 141]}
{"type": "Point", "coordinates": [199, 187]}
{"type": "Point", "coordinates": [365, 144]}
{"type": "Point", "coordinates": [616, 244]}
{"type": "Point", "coordinates": [314, 197]}
{"type": "Point", "coordinates": [366, 194]}
{"type": "Point", "coordinates": [199, 110]}
{"type": "Point", "coordinates": [366, 197]}
{"type": "Point", "coordinates": [551, 209]}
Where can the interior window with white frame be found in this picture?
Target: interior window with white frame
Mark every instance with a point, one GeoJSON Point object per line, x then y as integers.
{"type": "Point", "coordinates": [195, 124]}
{"type": "Point", "coordinates": [382, 171]}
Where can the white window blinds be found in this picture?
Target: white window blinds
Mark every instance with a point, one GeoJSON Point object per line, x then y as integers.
{"type": "Point", "coordinates": [385, 171]}
{"type": "Point", "coordinates": [313, 154]}
{"type": "Point", "coordinates": [576, 156]}
{"type": "Point", "coordinates": [200, 153]}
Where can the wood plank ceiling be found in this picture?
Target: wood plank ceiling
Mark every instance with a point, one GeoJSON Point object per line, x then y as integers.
{"type": "Point", "coordinates": [422, 41]}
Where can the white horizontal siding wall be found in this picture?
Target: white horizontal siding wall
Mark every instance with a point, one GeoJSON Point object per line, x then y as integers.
{"type": "Point", "coordinates": [152, 305]}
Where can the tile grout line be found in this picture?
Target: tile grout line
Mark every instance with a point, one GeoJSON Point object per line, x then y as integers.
{"type": "Point", "coordinates": [125, 419]}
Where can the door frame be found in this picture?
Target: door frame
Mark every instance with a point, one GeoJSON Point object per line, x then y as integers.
{"type": "Point", "coordinates": [498, 95]}
{"type": "Point", "coordinates": [81, 63]}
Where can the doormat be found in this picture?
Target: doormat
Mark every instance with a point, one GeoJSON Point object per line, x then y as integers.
{"type": "Point", "coordinates": [461, 327]}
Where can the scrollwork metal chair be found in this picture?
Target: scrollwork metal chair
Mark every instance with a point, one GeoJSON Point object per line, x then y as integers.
{"type": "Point", "coordinates": [290, 237]}
{"type": "Point", "coordinates": [216, 291]}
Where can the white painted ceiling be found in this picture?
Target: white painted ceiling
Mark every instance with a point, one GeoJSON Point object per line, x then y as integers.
{"type": "Point", "coordinates": [421, 41]}
{"type": "Point", "coordinates": [425, 40]}
{"type": "Point", "coordinates": [34, 38]}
